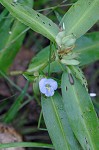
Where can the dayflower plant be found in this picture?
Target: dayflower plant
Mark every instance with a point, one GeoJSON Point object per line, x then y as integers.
{"type": "Point", "coordinates": [48, 86]}
{"type": "Point", "coordinates": [69, 115]}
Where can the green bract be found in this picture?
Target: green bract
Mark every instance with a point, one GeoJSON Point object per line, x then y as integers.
{"type": "Point", "coordinates": [65, 42]}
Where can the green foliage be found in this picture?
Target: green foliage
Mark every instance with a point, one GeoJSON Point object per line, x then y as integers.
{"type": "Point", "coordinates": [70, 117]}
{"type": "Point", "coordinates": [57, 123]}
{"type": "Point", "coordinates": [81, 17]}
{"type": "Point", "coordinates": [79, 75]}
{"type": "Point", "coordinates": [33, 19]}
{"type": "Point", "coordinates": [40, 61]}
{"type": "Point", "coordinates": [5, 25]}
{"type": "Point", "coordinates": [80, 111]}
{"type": "Point", "coordinates": [12, 46]}
{"type": "Point", "coordinates": [26, 144]}
{"type": "Point", "coordinates": [11, 114]}
{"type": "Point", "coordinates": [11, 43]}
{"type": "Point", "coordinates": [87, 48]}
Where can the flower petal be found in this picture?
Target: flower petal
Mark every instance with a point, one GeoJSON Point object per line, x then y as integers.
{"type": "Point", "coordinates": [47, 86]}
{"type": "Point", "coordinates": [43, 90]}
{"type": "Point", "coordinates": [42, 85]}
{"type": "Point", "coordinates": [53, 83]}
{"type": "Point", "coordinates": [49, 92]}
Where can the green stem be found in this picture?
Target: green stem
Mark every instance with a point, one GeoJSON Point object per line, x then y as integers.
{"type": "Point", "coordinates": [54, 7]}
{"type": "Point", "coordinates": [49, 59]}
{"type": "Point", "coordinates": [15, 73]}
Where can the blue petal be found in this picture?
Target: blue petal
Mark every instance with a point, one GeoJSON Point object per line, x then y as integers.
{"type": "Point", "coordinates": [49, 92]}
{"type": "Point", "coordinates": [53, 83]}
{"type": "Point", "coordinates": [43, 89]}
{"type": "Point", "coordinates": [42, 84]}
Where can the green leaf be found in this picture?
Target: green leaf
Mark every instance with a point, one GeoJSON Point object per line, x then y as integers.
{"type": "Point", "coordinates": [58, 16]}
{"type": "Point", "coordinates": [40, 60]}
{"type": "Point", "coordinates": [57, 123]}
{"type": "Point", "coordinates": [79, 75]}
{"type": "Point", "coordinates": [12, 46]}
{"type": "Point", "coordinates": [80, 111]}
{"type": "Point", "coordinates": [11, 43]}
{"type": "Point", "coordinates": [40, 63]}
{"type": "Point", "coordinates": [32, 18]}
{"type": "Point", "coordinates": [2, 15]}
{"type": "Point", "coordinates": [88, 48]}
{"type": "Point", "coordinates": [5, 27]}
{"type": "Point", "coordinates": [55, 66]}
{"type": "Point", "coordinates": [29, 77]}
{"type": "Point", "coordinates": [26, 144]}
{"type": "Point", "coordinates": [13, 84]}
{"type": "Point", "coordinates": [10, 115]}
{"type": "Point", "coordinates": [81, 17]}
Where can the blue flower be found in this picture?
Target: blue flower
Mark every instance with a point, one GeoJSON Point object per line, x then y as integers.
{"type": "Point", "coordinates": [48, 86]}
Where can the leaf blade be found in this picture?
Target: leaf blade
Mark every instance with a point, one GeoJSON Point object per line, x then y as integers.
{"type": "Point", "coordinates": [12, 112]}
{"type": "Point", "coordinates": [80, 111]}
{"type": "Point", "coordinates": [26, 144]}
{"type": "Point", "coordinates": [33, 19]}
{"type": "Point", "coordinates": [81, 17]}
{"type": "Point", "coordinates": [87, 48]}
{"type": "Point", "coordinates": [10, 43]}
{"type": "Point", "coordinates": [57, 123]}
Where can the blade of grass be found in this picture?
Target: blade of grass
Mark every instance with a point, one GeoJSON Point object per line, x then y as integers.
{"type": "Point", "coordinates": [26, 144]}
{"type": "Point", "coordinates": [10, 115]}
{"type": "Point", "coordinates": [13, 84]}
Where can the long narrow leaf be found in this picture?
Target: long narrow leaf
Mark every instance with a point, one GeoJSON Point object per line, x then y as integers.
{"type": "Point", "coordinates": [81, 17]}
{"type": "Point", "coordinates": [39, 61]}
{"type": "Point", "coordinates": [33, 19]}
{"type": "Point", "coordinates": [11, 43]}
{"type": "Point", "coordinates": [5, 28]}
{"type": "Point", "coordinates": [80, 111]}
{"type": "Point", "coordinates": [57, 124]}
{"type": "Point", "coordinates": [11, 114]}
{"type": "Point", "coordinates": [12, 48]}
{"type": "Point", "coordinates": [26, 144]}
{"type": "Point", "coordinates": [88, 48]}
